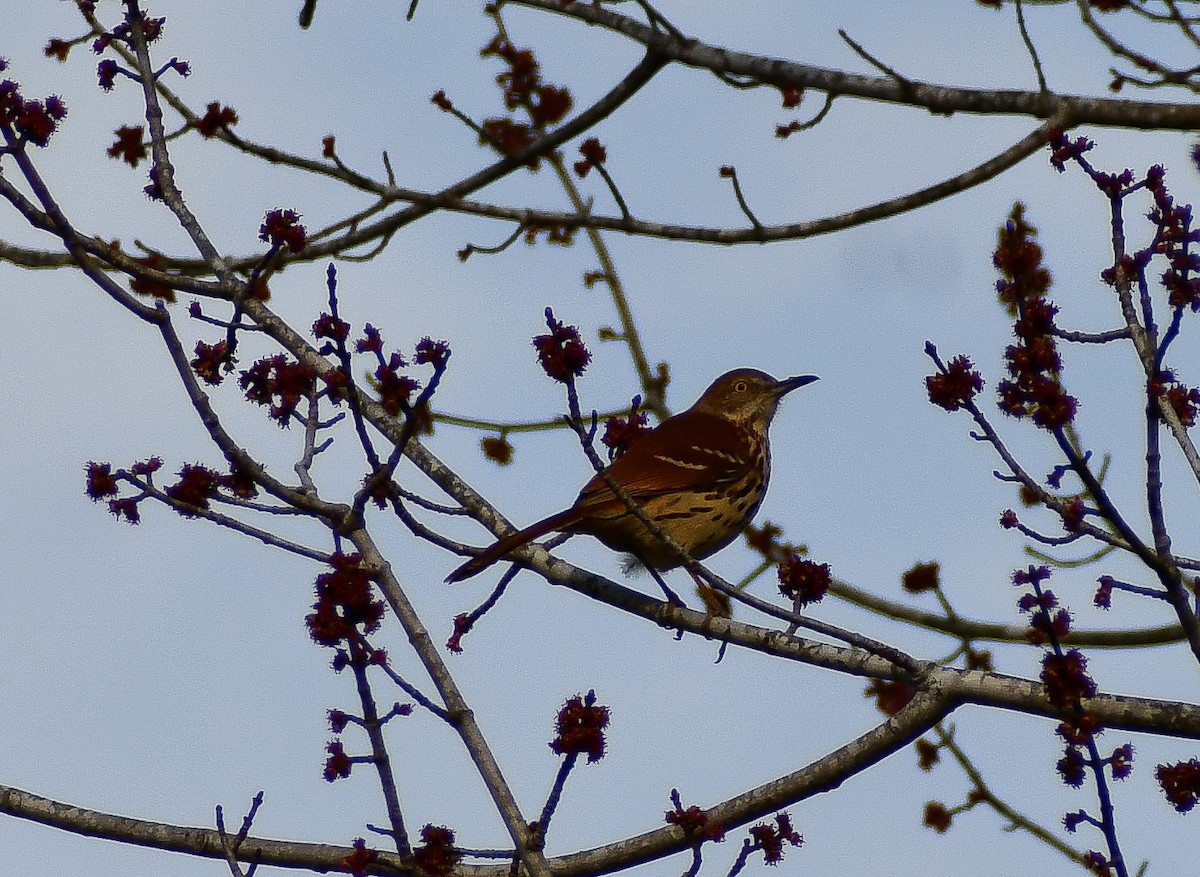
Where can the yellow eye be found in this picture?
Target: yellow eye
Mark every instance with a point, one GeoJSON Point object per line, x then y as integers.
{"type": "Point", "coordinates": [740, 386]}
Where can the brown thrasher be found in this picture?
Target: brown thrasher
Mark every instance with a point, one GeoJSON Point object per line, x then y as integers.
{"type": "Point", "coordinates": [699, 475]}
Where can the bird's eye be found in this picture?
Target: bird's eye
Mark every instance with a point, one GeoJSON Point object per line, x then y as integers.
{"type": "Point", "coordinates": [740, 386]}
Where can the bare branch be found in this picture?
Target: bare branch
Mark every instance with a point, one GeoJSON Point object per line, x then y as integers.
{"type": "Point", "coordinates": [941, 99]}
{"type": "Point", "coordinates": [461, 717]}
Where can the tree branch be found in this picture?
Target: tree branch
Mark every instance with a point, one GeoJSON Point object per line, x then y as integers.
{"type": "Point", "coordinates": [940, 99]}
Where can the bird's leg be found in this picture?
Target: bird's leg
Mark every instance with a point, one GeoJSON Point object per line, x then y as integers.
{"type": "Point", "coordinates": [716, 602]}
{"type": "Point", "coordinates": [671, 596]}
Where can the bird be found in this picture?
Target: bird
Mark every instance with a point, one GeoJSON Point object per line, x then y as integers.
{"type": "Point", "coordinates": [700, 476]}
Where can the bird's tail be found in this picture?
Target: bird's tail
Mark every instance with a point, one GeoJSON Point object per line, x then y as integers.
{"type": "Point", "coordinates": [511, 542]}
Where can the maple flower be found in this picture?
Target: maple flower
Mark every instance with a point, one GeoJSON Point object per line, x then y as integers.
{"type": "Point", "coordinates": [561, 352]}
{"type": "Point", "coordinates": [580, 728]}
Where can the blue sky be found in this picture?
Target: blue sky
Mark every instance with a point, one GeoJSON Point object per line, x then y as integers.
{"type": "Point", "coordinates": [157, 671]}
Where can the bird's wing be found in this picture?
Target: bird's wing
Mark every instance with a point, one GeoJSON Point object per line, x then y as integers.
{"type": "Point", "coordinates": [686, 453]}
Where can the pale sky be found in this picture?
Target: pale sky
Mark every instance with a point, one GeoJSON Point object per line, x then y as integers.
{"type": "Point", "coordinates": [161, 670]}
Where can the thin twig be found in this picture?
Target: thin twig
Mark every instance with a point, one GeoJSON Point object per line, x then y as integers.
{"type": "Point", "coordinates": [983, 794]}
{"type": "Point", "coordinates": [372, 723]}
{"type": "Point", "coordinates": [653, 384]}
{"type": "Point", "coordinates": [231, 523]}
{"type": "Point", "coordinates": [500, 247]}
{"type": "Point", "coordinates": [1091, 337]}
{"type": "Point", "coordinates": [163, 169]}
{"type": "Point", "coordinates": [901, 80]}
{"type": "Point", "coordinates": [730, 172]}
{"type": "Point", "coordinates": [616, 193]}
{"type": "Point", "coordinates": [1037, 62]}
{"type": "Point", "coordinates": [461, 717]}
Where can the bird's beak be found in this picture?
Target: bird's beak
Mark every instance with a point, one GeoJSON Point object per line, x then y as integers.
{"type": "Point", "coordinates": [788, 384]}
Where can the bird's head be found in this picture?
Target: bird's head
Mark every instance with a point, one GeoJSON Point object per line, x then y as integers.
{"type": "Point", "coordinates": [747, 395]}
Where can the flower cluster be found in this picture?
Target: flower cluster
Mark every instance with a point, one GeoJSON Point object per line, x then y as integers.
{"type": "Point", "coordinates": [1064, 149]}
{"type": "Point", "coordinates": [147, 286]}
{"type": "Point", "coordinates": [151, 30]}
{"type": "Point", "coordinates": [1038, 603]}
{"type": "Point", "coordinates": [27, 121]}
{"type": "Point", "coordinates": [922, 577]}
{"type": "Point", "coordinates": [58, 49]}
{"type": "Point", "coordinates": [332, 329]}
{"type": "Point", "coordinates": [563, 235]}
{"type": "Point", "coordinates": [361, 859]}
{"type": "Point", "coordinates": [497, 449]}
{"type": "Point", "coordinates": [463, 622]}
{"type": "Point", "coordinates": [183, 68]}
{"type": "Point", "coordinates": [928, 754]}
{"type": "Point", "coordinates": [694, 821]}
{"type": "Point", "coordinates": [1184, 400]}
{"type": "Point", "coordinates": [621, 432]}
{"type": "Point", "coordinates": [197, 485]}
{"type": "Point", "coordinates": [1033, 388]}
{"type": "Point", "coordinates": [937, 817]}
{"type": "Point", "coordinates": [768, 541]}
{"type": "Point", "coordinates": [395, 389]}
{"type": "Point", "coordinates": [508, 137]}
{"type": "Point", "coordinates": [215, 118]}
{"type": "Point", "coordinates": [891, 695]}
{"type": "Point", "coordinates": [785, 131]}
{"type": "Point", "coordinates": [594, 154]}
{"type": "Point", "coordinates": [790, 97]}
{"type": "Point", "coordinates": [101, 483]}
{"type": "Point", "coordinates": [1173, 239]}
{"type": "Point", "coordinates": [579, 728]}
{"type": "Point", "coordinates": [282, 228]}
{"type": "Point", "coordinates": [1066, 679]}
{"type": "Point", "coordinates": [240, 483]}
{"type": "Point", "coordinates": [524, 89]}
{"type": "Point", "coordinates": [280, 384]}
{"type": "Point", "coordinates": [370, 342]}
{"type": "Point", "coordinates": [107, 70]}
{"type": "Point", "coordinates": [1067, 683]}
{"type": "Point", "coordinates": [436, 855]}
{"type": "Point", "coordinates": [430, 352]}
{"type": "Point", "coordinates": [523, 86]}
{"type": "Point", "coordinates": [154, 189]}
{"type": "Point", "coordinates": [1019, 258]}
{"type": "Point", "coordinates": [211, 362]}
{"type": "Point", "coordinates": [561, 351]}
{"type": "Point", "coordinates": [344, 602]}
{"type": "Point", "coordinates": [338, 764]}
{"type": "Point", "coordinates": [1094, 861]}
{"type": "Point", "coordinates": [1180, 782]}
{"type": "Point", "coordinates": [770, 838]}
{"type": "Point", "coordinates": [130, 146]}
{"type": "Point", "coordinates": [106, 73]}
{"type": "Point", "coordinates": [978, 659]}
{"type": "Point", "coordinates": [803, 581]}
{"type": "Point", "coordinates": [955, 385]}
